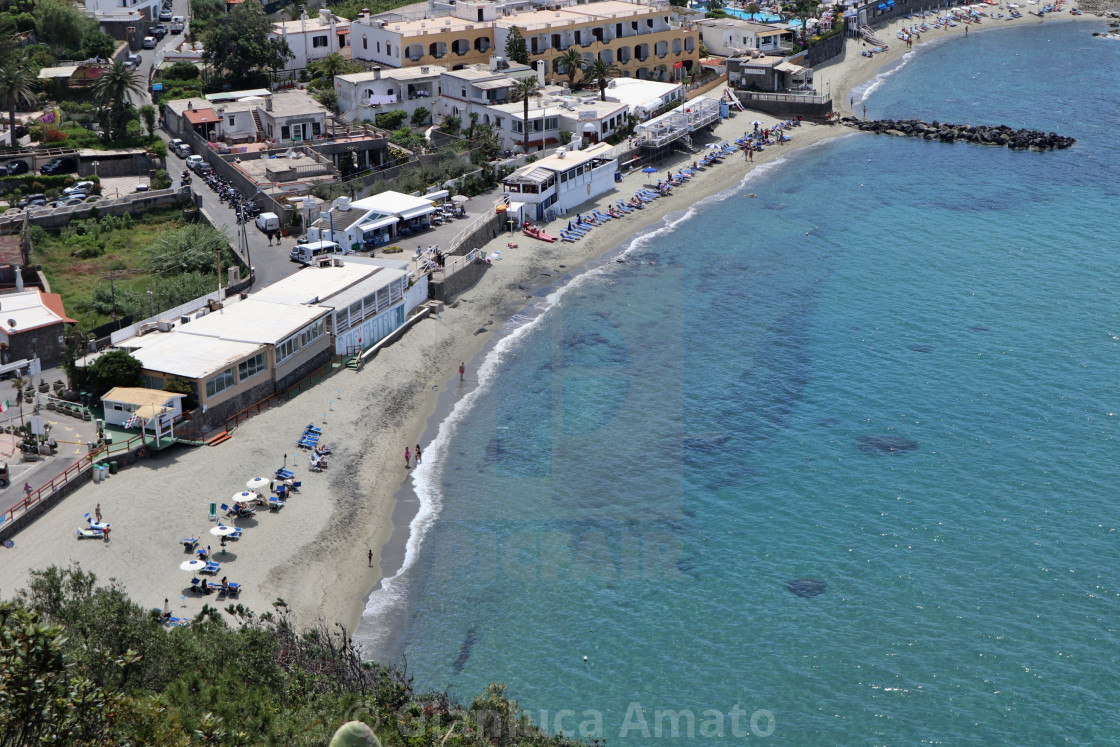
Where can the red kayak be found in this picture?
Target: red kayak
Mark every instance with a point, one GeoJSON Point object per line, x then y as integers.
{"type": "Point", "coordinates": [536, 233]}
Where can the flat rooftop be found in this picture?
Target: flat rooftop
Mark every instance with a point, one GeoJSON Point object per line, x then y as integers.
{"type": "Point", "coordinates": [572, 158]}
{"type": "Point", "coordinates": [254, 321]}
{"type": "Point", "coordinates": [590, 13]}
{"type": "Point", "coordinates": [292, 103]}
{"type": "Point", "coordinates": [440, 25]}
{"type": "Point", "coordinates": [317, 284]}
{"type": "Point", "coordinates": [189, 356]}
{"type": "Point", "coordinates": [308, 25]}
{"type": "Point", "coordinates": [398, 74]}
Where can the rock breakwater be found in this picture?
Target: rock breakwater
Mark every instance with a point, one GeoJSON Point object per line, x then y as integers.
{"type": "Point", "coordinates": [951, 133]}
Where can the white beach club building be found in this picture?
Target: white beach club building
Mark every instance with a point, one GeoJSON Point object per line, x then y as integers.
{"type": "Point", "coordinates": [561, 182]}
{"type": "Point", "coordinates": [376, 220]}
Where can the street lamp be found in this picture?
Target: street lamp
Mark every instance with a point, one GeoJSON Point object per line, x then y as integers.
{"type": "Point", "coordinates": [95, 165]}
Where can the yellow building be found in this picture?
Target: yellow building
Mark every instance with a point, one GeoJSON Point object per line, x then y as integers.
{"type": "Point", "coordinates": [641, 38]}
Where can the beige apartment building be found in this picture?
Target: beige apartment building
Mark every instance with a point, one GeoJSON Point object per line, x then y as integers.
{"type": "Point", "coordinates": [640, 37]}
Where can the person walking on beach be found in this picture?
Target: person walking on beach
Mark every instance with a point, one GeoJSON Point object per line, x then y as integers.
{"type": "Point", "coordinates": [417, 454]}
{"type": "Point", "coordinates": [407, 458]}
{"type": "Point", "coordinates": [462, 370]}
{"type": "Point", "coordinates": [750, 154]}
{"type": "Point", "coordinates": [852, 102]}
{"type": "Point", "coordinates": [97, 512]}
{"type": "Point", "coordinates": [370, 556]}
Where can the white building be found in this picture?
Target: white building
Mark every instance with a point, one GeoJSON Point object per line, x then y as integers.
{"type": "Point", "coordinates": [734, 37]}
{"type": "Point", "coordinates": [375, 220]}
{"type": "Point", "coordinates": [368, 298]}
{"type": "Point", "coordinates": [362, 96]}
{"type": "Point", "coordinates": [644, 98]}
{"type": "Point", "coordinates": [284, 118]}
{"type": "Point", "coordinates": [117, 11]}
{"type": "Point", "coordinates": [155, 409]}
{"type": "Point", "coordinates": [312, 39]}
{"type": "Point", "coordinates": [560, 183]}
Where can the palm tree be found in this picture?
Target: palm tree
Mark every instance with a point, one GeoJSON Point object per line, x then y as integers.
{"type": "Point", "coordinates": [332, 65]}
{"type": "Point", "coordinates": [753, 9]}
{"type": "Point", "coordinates": [600, 73]}
{"type": "Point", "coordinates": [523, 90]}
{"type": "Point", "coordinates": [16, 87]}
{"type": "Point", "coordinates": [113, 88]}
{"type": "Point", "coordinates": [570, 63]}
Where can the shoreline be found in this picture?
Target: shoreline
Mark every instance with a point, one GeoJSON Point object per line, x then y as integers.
{"type": "Point", "coordinates": [310, 552]}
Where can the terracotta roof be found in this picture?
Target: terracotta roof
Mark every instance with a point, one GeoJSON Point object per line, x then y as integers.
{"type": "Point", "coordinates": [53, 301]}
{"type": "Point", "coordinates": [201, 116]}
{"type": "Point", "coordinates": [10, 251]}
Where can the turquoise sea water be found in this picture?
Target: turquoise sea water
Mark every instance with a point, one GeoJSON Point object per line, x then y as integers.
{"type": "Point", "coordinates": [673, 439]}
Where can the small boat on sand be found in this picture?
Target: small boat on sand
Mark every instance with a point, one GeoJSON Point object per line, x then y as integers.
{"type": "Point", "coordinates": [535, 233]}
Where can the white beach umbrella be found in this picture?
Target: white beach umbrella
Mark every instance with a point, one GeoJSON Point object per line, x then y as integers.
{"type": "Point", "coordinates": [222, 530]}
{"type": "Point", "coordinates": [257, 483]}
{"type": "Point", "coordinates": [245, 496]}
{"type": "Point", "coordinates": [460, 198]}
{"type": "Point", "coordinates": [192, 565]}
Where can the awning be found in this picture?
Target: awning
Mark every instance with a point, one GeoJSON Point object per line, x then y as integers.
{"type": "Point", "coordinates": [775, 32]}
{"type": "Point", "coordinates": [417, 212]}
{"type": "Point", "coordinates": [492, 85]}
{"type": "Point", "coordinates": [385, 220]}
{"type": "Point", "coordinates": [201, 116]}
{"type": "Point", "coordinates": [442, 194]}
{"type": "Point", "coordinates": [53, 73]}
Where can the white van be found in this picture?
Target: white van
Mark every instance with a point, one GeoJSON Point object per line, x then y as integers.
{"type": "Point", "coordinates": [309, 254]}
{"type": "Point", "coordinates": [268, 222]}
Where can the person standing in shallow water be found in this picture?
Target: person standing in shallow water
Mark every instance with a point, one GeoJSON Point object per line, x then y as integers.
{"type": "Point", "coordinates": [407, 458]}
{"type": "Point", "coordinates": [417, 454]}
{"type": "Point", "coordinates": [462, 370]}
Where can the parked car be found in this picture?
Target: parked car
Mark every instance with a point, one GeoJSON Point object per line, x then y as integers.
{"type": "Point", "coordinates": [14, 168]}
{"type": "Point", "coordinates": [142, 187]}
{"type": "Point", "coordinates": [179, 148]}
{"type": "Point", "coordinates": [28, 199]}
{"type": "Point", "coordinates": [149, 42]}
{"type": "Point", "coordinates": [63, 165]}
{"type": "Point", "coordinates": [165, 15]}
{"type": "Point", "coordinates": [134, 60]}
{"type": "Point", "coordinates": [85, 188]}
{"type": "Point", "coordinates": [194, 161]}
{"type": "Point", "coordinates": [158, 31]}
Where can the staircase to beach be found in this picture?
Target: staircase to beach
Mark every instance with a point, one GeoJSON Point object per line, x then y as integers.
{"type": "Point", "coordinates": [869, 36]}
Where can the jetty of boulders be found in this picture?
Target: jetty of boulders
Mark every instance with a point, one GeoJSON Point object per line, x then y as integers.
{"type": "Point", "coordinates": [951, 133]}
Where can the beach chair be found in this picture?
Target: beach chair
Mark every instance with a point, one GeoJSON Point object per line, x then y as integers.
{"type": "Point", "coordinates": [285, 474]}
{"type": "Point", "coordinates": [295, 486]}
{"type": "Point", "coordinates": [212, 568]}
{"type": "Point", "coordinates": [233, 590]}
{"type": "Point", "coordinates": [189, 542]}
{"type": "Point", "coordinates": [202, 554]}
{"type": "Point", "coordinates": [229, 511]}
{"type": "Point", "coordinates": [312, 429]}
{"type": "Point", "coordinates": [313, 464]}
{"type": "Point", "coordinates": [275, 504]}
{"type": "Point", "coordinates": [90, 534]}
{"type": "Point", "coordinates": [196, 585]}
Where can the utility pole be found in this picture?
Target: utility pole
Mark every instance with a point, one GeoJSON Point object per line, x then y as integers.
{"type": "Point", "coordinates": [219, 251]}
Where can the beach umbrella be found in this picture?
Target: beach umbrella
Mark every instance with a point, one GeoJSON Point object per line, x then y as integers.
{"type": "Point", "coordinates": [756, 122]}
{"type": "Point", "coordinates": [245, 497]}
{"type": "Point", "coordinates": [460, 199]}
{"type": "Point", "coordinates": [222, 530]}
{"type": "Point", "coordinates": [257, 483]}
{"type": "Point", "coordinates": [192, 565]}
{"type": "Point", "coordinates": [166, 607]}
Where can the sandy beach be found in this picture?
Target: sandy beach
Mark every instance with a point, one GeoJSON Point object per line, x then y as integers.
{"type": "Point", "coordinates": [313, 552]}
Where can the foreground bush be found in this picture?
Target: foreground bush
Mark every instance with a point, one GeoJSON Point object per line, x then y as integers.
{"type": "Point", "coordinates": [80, 664]}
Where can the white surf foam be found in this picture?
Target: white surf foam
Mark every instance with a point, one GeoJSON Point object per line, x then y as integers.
{"type": "Point", "coordinates": [426, 478]}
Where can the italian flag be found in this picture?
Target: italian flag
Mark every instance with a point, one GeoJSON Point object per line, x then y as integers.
{"type": "Point", "coordinates": [4, 406]}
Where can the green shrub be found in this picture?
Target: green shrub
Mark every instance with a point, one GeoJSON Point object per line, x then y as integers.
{"type": "Point", "coordinates": [391, 120]}
{"type": "Point", "coordinates": [180, 71]}
{"type": "Point", "coordinates": [161, 180]}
